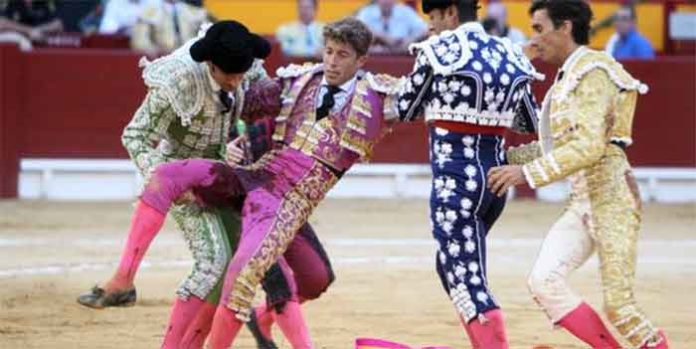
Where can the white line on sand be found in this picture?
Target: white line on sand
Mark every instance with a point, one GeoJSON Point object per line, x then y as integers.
{"type": "Point", "coordinates": [680, 252]}
{"type": "Point", "coordinates": [382, 261]}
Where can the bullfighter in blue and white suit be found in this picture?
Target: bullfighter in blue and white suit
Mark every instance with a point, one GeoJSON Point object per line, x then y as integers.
{"type": "Point", "coordinates": [471, 88]}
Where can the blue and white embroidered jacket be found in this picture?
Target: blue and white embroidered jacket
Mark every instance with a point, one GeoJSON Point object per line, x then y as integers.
{"type": "Point", "coordinates": [465, 75]}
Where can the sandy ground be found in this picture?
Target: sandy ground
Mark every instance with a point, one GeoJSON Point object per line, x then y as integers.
{"type": "Point", "coordinates": [383, 256]}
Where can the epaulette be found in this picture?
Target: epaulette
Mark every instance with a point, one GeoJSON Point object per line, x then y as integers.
{"type": "Point", "coordinates": [593, 60]}
{"type": "Point", "coordinates": [450, 51]}
{"type": "Point", "coordinates": [295, 70]}
{"type": "Point", "coordinates": [181, 80]}
{"type": "Point", "coordinates": [447, 52]}
{"type": "Point", "coordinates": [384, 83]}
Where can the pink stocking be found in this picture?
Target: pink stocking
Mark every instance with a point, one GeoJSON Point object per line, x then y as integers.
{"type": "Point", "coordinates": [489, 330]}
{"type": "Point", "coordinates": [183, 312]}
{"type": "Point", "coordinates": [264, 318]}
{"type": "Point", "coordinates": [145, 224]}
{"type": "Point", "coordinates": [198, 330]}
{"type": "Point", "coordinates": [584, 323]}
{"type": "Point", "coordinates": [292, 323]}
{"type": "Point", "coordinates": [225, 328]}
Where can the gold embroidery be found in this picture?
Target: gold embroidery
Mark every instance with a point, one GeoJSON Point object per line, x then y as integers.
{"type": "Point", "coordinates": [292, 213]}
{"type": "Point", "coordinates": [588, 111]}
{"type": "Point", "coordinates": [523, 154]}
{"type": "Point", "coordinates": [616, 216]}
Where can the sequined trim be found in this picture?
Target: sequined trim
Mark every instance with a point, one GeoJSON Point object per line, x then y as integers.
{"type": "Point", "coordinates": [293, 212]}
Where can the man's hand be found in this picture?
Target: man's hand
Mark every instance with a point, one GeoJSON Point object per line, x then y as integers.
{"type": "Point", "coordinates": [501, 178]}
{"type": "Point", "coordinates": [187, 197]}
{"type": "Point", "coordinates": [235, 152]}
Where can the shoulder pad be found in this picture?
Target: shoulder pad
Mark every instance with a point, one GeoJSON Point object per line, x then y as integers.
{"type": "Point", "coordinates": [181, 79]}
{"type": "Point", "coordinates": [384, 83]}
{"type": "Point", "coordinates": [446, 52]}
{"type": "Point", "coordinates": [255, 73]}
{"type": "Point", "coordinates": [296, 70]}
{"type": "Point", "coordinates": [593, 60]}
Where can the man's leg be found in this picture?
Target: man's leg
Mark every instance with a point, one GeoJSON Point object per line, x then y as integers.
{"type": "Point", "coordinates": [462, 210]}
{"type": "Point", "coordinates": [618, 222]}
{"type": "Point", "coordinates": [178, 180]}
{"type": "Point", "coordinates": [290, 318]}
{"type": "Point", "coordinates": [462, 270]}
{"type": "Point", "coordinates": [119, 290]}
{"type": "Point", "coordinates": [203, 231]}
{"type": "Point", "coordinates": [269, 224]}
{"type": "Point", "coordinates": [145, 225]}
{"type": "Point", "coordinates": [207, 239]}
{"type": "Point", "coordinates": [273, 213]}
{"type": "Point", "coordinates": [198, 330]}
{"type": "Point", "coordinates": [567, 246]}
{"type": "Point", "coordinates": [170, 182]}
{"type": "Point", "coordinates": [310, 264]}
{"type": "Point", "coordinates": [312, 272]}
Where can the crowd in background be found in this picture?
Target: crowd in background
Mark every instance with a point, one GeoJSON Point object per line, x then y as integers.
{"type": "Point", "coordinates": [156, 27]}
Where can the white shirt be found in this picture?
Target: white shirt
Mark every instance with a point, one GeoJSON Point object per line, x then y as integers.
{"type": "Point", "coordinates": [121, 15]}
{"type": "Point", "coordinates": [571, 59]}
{"type": "Point", "coordinates": [341, 97]}
{"type": "Point", "coordinates": [404, 22]}
{"type": "Point", "coordinates": [298, 39]}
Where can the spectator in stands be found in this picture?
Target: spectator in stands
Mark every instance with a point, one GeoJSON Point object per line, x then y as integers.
{"type": "Point", "coordinates": [498, 12]}
{"type": "Point", "coordinates": [627, 43]}
{"type": "Point", "coordinates": [27, 21]}
{"type": "Point", "coordinates": [302, 38]}
{"type": "Point", "coordinates": [490, 25]}
{"type": "Point", "coordinates": [72, 12]}
{"type": "Point", "coordinates": [121, 15]}
{"type": "Point", "coordinates": [163, 27]}
{"type": "Point", "coordinates": [89, 24]}
{"type": "Point", "coordinates": [394, 25]}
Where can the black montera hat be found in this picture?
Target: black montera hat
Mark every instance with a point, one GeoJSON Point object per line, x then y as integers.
{"type": "Point", "coordinates": [230, 46]}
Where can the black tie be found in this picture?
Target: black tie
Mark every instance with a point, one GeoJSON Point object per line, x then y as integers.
{"type": "Point", "coordinates": [327, 102]}
{"type": "Point", "coordinates": [225, 100]}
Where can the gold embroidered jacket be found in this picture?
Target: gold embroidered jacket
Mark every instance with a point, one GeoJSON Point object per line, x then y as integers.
{"type": "Point", "coordinates": [182, 116]}
{"type": "Point", "coordinates": [586, 115]}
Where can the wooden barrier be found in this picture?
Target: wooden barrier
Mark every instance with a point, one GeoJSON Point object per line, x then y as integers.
{"type": "Point", "coordinates": [74, 104]}
{"type": "Point", "coordinates": [10, 102]}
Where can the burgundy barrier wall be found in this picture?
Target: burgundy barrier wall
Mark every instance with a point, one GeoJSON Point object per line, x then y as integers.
{"type": "Point", "coordinates": [10, 100]}
{"type": "Point", "coordinates": [75, 103]}
{"type": "Point", "coordinates": [664, 128]}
